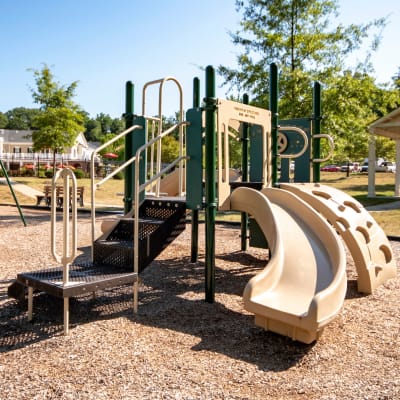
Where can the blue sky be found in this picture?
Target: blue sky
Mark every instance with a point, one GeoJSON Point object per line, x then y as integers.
{"type": "Point", "coordinates": [102, 44]}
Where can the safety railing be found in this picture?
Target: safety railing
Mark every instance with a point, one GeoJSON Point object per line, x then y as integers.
{"type": "Point", "coordinates": [70, 230]}
{"type": "Point", "coordinates": [139, 188]}
{"type": "Point", "coordinates": [94, 185]}
{"type": "Point", "coordinates": [154, 165]}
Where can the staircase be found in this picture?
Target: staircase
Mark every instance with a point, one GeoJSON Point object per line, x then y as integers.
{"type": "Point", "coordinates": [160, 222]}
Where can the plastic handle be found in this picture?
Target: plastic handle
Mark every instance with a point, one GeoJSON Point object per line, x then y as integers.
{"type": "Point", "coordinates": [331, 145]}
{"type": "Point", "coordinates": [302, 133]}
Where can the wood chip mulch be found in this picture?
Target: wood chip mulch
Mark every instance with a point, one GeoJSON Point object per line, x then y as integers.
{"type": "Point", "coordinates": [178, 346]}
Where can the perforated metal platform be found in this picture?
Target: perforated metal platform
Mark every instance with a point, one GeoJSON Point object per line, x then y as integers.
{"type": "Point", "coordinates": [82, 279]}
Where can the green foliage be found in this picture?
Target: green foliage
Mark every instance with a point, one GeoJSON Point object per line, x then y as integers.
{"type": "Point", "coordinates": [119, 175]}
{"type": "Point", "coordinates": [116, 147]}
{"type": "Point", "coordinates": [169, 149]}
{"type": "Point", "coordinates": [21, 118]}
{"type": "Point", "coordinates": [60, 119]}
{"type": "Point", "coordinates": [102, 125]}
{"type": "Point", "coordinates": [79, 174]}
{"type": "Point", "coordinates": [300, 37]}
{"type": "Point", "coordinates": [26, 172]}
{"type": "Point", "coordinates": [3, 120]}
{"type": "Point", "coordinates": [50, 94]}
{"type": "Point", "coordinates": [48, 174]}
{"type": "Point", "coordinates": [351, 103]}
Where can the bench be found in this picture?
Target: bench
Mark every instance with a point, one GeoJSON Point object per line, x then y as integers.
{"type": "Point", "coordinates": [46, 196]}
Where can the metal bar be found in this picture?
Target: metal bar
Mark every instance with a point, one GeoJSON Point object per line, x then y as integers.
{"type": "Point", "coordinates": [66, 315]}
{"type": "Point", "coordinates": [194, 252]}
{"type": "Point", "coordinates": [30, 303]}
{"type": "Point", "coordinates": [210, 184]}
{"type": "Point", "coordinates": [317, 130]}
{"type": "Point", "coordinates": [13, 193]}
{"type": "Point", "coordinates": [273, 105]}
{"type": "Point", "coordinates": [129, 147]}
{"type": "Point", "coordinates": [144, 185]}
{"type": "Point", "coordinates": [244, 218]}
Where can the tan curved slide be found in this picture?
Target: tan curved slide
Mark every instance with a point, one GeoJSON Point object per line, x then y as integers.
{"type": "Point", "coordinates": [365, 239]}
{"type": "Point", "coordinates": [303, 286]}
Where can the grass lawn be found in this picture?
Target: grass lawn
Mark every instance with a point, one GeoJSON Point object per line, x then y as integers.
{"type": "Point", "coordinates": [356, 185]}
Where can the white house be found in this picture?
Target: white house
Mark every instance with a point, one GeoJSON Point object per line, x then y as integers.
{"type": "Point", "coordinates": [16, 150]}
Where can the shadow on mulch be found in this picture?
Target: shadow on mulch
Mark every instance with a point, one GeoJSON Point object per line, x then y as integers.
{"type": "Point", "coordinates": [171, 299]}
{"type": "Point", "coordinates": [352, 291]}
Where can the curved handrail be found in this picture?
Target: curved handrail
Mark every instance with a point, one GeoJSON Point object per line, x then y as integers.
{"type": "Point", "coordinates": [161, 83]}
{"type": "Point", "coordinates": [302, 133]}
{"type": "Point", "coordinates": [331, 145]}
{"type": "Point", "coordinates": [68, 252]}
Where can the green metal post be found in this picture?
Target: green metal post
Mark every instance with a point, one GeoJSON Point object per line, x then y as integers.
{"type": "Point", "coordinates": [244, 218]}
{"type": "Point", "coordinates": [129, 150]}
{"type": "Point", "coordinates": [210, 184]}
{"type": "Point", "coordinates": [194, 254]}
{"type": "Point", "coordinates": [12, 192]}
{"type": "Point", "coordinates": [273, 104]}
{"type": "Point", "coordinates": [317, 129]}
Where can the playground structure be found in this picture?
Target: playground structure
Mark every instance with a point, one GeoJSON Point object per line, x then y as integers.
{"type": "Point", "coordinates": [303, 285]}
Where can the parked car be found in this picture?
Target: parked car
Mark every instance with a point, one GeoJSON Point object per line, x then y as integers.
{"type": "Point", "coordinates": [347, 167]}
{"type": "Point", "coordinates": [388, 166]}
{"type": "Point", "coordinates": [330, 168]}
{"type": "Point", "coordinates": [364, 167]}
{"type": "Point", "coordinates": [385, 166]}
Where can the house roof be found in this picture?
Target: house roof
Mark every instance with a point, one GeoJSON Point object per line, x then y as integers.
{"type": "Point", "coordinates": [25, 137]}
{"type": "Point", "coordinates": [14, 136]}
{"type": "Point", "coordinates": [388, 126]}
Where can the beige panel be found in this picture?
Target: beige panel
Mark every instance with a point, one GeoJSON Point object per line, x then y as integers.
{"type": "Point", "coordinates": [365, 239]}
{"type": "Point", "coordinates": [304, 284]}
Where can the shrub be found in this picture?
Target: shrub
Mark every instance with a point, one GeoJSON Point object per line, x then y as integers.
{"type": "Point", "coordinates": [27, 172]}
{"type": "Point", "coordinates": [119, 175]}
{"type": "Point", "coordinates": [79, 174]}
{"type": "Point", "coordinates": [49, 173]}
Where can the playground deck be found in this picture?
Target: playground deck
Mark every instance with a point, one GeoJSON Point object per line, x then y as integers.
{"type": "Point", "coordinates": [83, 279]}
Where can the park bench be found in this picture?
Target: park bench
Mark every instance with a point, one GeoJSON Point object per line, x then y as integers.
{"type": "Point", "coordinates": [46, 196]}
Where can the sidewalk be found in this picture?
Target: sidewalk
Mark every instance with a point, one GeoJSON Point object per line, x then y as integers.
{"type": "Point", "coordinates": [21, 188]}
{"type": "Point", "coordinates": [394, 205]}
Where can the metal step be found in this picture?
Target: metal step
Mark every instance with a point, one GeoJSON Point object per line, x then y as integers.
{"type": "Point", "coordinates": [160, 223]}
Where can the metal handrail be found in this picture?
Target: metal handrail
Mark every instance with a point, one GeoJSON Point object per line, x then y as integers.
{"type": "Point", "coordinates": [139, 188]}
{"type": "Point", "coordinates": [305, 138]}
{"type": "Point", "coordinates": [161, 83]}
{"type": "Point", "coordinates": [331, 145]}
{"type": "Point", "coordinates": [95, 185]}
{"type": "Point", "coordinates": [68, 252]}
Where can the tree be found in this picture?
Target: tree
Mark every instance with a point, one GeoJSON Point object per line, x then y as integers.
{"type": "Point", "coordinates": [21, 118]}
{"type": "Point", "coordinates": [60, 119]}
{"type": "Point", "coordinates": [93, 130]}
{"type": "Point", "coordinates": [102, 125]}
{"type": "Point", "coordinates": [300, 37]}
{"type": "Point", "coordinates": [352, 101]}
{"type": "Point", "coordinates": [3, 120]}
